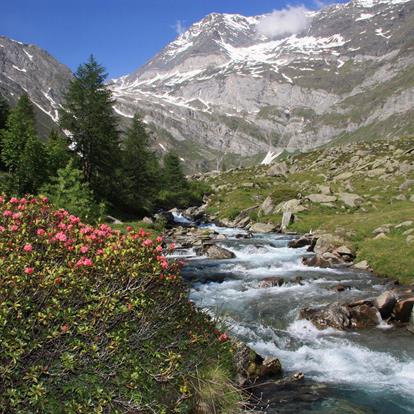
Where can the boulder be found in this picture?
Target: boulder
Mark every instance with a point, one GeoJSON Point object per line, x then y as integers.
{"type": "Point", "coordinates": [403, 309]}
{"type": "Point", "coordinates": [342, 316]}
{"type": "Point", "coordinates": [382, 229]}
{"type": "Point", "coordinates": [267, 207]}
{"type": "Point", "coordinates": [406, 185]}
{"type": "Point", "coordinates": [147, 220]}
{"type": "Point", "coordinates": [380, 236]}
{"type": "Point", "coordinates": [278, 169]}
{"type": "Point", "coordinates": [287, 219]}
{"type": "Point", "coordinates": [340, 287]}
{"type": "Point", "coordinates": [385, 303]}
{"type": "Point", "coordinates": [321, 198]}
{"type": "Point", "coordinates": [262, 228]}
{"type": "Point", "coordinates": [344, 251]}
{"type": "Point", "coordinates": [410, 239]}
{"type": "Point", "coordinates": [350, 199]}
{"type": "Point", "coordinates": [344, 176]}
{"type": "Point", "coordinates": [301, 242]}
{"type": "Point", "coordinates": [293, 206]}
{"type": "Point", "coordinates": [327, 243]}
{"type": "Point", "coordinates": [218, 253]}
{"type": "Point", "coordinates": [271, 282]}
{"type": "Point", "coordinates": [316, 261]}
{"type": "Point", "coordinates": [364, 316]}
{"type": "Point", "coordinates": [332, 316]}
{"type": "Point", "coordinates": [250, 366]}
{"type": "Point", "coordinates": [324, 189]}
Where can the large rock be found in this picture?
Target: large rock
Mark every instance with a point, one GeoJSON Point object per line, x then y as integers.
{"type": "Point", "coordinates": [262, 228]}
{"type": "Point", "coordinates": [293, 206]}
{"type": "Point", "coordinates": [327, 243]}
{"type": "Point", "coordinates": [250, 366]}
{"type": "Point", "coordinates": [301, 242]}
{"type": "Point", "coordinates": [342, 316]}
{"type": "Point", "coordinates": [287, 219]}
{"type": "Point", "coordinates": [403, 308]}
{"type": "Point", "coordinates": [278, 169]}
{"type": "Point", "coordinates": [385, 303]}
{"type": "Point", "coordinates": [218, 253]}
{"type": "Point", "coordinates": [316, 261]}
{"type": "Point", "coordinates": [350, 199]}
{"type": "Point", "coordinates": [267, 207]}
{"type": "Point", "coordinates": [362, 265]}
{"type": "Point", "coordinates": [321, 198]}
{"type": "Point", "coordinates": [406, 185]}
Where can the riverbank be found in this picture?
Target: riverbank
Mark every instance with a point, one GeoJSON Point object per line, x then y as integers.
{"type": "Point", "coordinates": [341, 365]}
{"type": "Point", "coordinates": [362, 194]}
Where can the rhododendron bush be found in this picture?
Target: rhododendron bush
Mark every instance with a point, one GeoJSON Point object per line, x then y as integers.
{"type": "Point", "coordinates": [93, 320]}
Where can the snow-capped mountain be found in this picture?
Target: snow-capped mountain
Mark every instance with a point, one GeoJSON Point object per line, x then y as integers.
{"type": "Point", "coordinates": [225, 87]}
{"type": "Point", "coordinates": [27, 68]}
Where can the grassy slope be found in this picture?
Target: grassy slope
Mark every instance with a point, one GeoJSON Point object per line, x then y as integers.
{"type": "Point", "coordinates": [392, 257]}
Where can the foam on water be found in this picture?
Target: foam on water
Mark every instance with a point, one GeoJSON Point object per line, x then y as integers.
{"type": "Point", "coordinates": [180, 219]}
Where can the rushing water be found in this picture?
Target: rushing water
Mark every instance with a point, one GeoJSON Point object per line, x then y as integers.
{"type": "Point", "coordinates": [369, 371]}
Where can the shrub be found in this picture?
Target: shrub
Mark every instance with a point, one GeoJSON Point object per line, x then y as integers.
{"type": "Point", "coordinates": [94, 320]}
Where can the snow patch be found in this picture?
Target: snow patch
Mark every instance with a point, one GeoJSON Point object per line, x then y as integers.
{"type": "Point", "coordinates": [364, 16]}
{"type": "Point", "coordinates": [28, 54]}
{"type": "Point", "coordinates": [121, 113]}
{"type": "Point", "coordinates": [162, 147]}
{"type": "Point", "coordinates": [19, 69]}
{"type": "Point", "coordinates": [270, 157]}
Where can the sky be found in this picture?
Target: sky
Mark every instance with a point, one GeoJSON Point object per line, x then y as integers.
{"type": "Point", "coordinates": [122, 34]}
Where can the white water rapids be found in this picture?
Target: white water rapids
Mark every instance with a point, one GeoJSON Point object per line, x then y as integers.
{"type": "Point", "coordinates": [373, 369]}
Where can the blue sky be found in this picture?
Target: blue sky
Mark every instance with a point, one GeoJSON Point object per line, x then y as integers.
{"type": "Point", "coordinates": [122, 34]}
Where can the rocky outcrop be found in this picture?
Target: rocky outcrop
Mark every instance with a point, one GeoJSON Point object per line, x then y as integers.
{"type": "Point", "coordinates": [217, 253]}
{"type": "Point", "coordinates": [250, 366]}
{"type": "Point", "coordinates": [342, 316]}
{"type": "Point", "coordinates": [263, 228]}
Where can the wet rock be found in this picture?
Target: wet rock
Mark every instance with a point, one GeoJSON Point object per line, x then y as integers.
{"type": "Point", "coordinates": [165, 216]}
{"type": "Point", "coordinates": [340, 287]}
{"type": "Point", "coordinates": [364, 316]}
{"type": "Point", "coordinates": [385, 303]}
{"type": "Point", "coordinates": [250, 366]}
{"type": "Point", "coordinates": [335, 316]}
{"type": "Point", "coordinates": [301, 242]}
{"type": "Point", "coordinates": [342, 316]}
{"type": "Point", "coordinates": [403, 309]}
{"type": "Point", "coordinates": [316, 261]}
{"type": "Point", "coordinates": [218, 253]}
{"type": "Point", "coordinates": [271, 282]}
{"type": "Point", "coordinates": [262, 228]}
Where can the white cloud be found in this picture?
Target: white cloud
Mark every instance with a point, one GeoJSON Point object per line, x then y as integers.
{"type": "Point", "coordinates": [284, 22]}
{"type": "Point", "coordinates": [179, 27]}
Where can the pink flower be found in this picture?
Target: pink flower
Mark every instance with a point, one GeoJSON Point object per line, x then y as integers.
{"type": "Point", "coordinates": [61, 236]}
{"type": "Point", "coordinates": [1, 199]}
{"type": "Point", "coordinates": [28, 270]}
{"type": "Point", "coordinates": [74, 219]}
{"type": "Point", "coordinates": [84, 249]}
{"type": "Point", "coordinates": [7, 213]}
{"type": "Point", "coordinates": [164, 264]}
{"type": "Point", "coordinates": [223, 337]}
{"type": "Point", "coordinates": [23, 201]}
{"type": "Point", "coordinates": [16, 216]}
{"type": "Point", "coordinates": [45, 199]}
{"type": "Point", "coordinates": [14, 228]}
{"type": "Point", "coordinates": [159, 239]}
{"type": "Point", "coordinates": [158, 249]}
{"type": "Point", "coordinates": [40, 232]}
{"type": "Point", "coordinates": [99, 252]}
{"type": "Point", "coordinates": [14, 200]}
{"type": "Point", "coordinates": [171, 246]}
{"type": "Point", "coordinates": [2, 229]}
{"type": "Point", "coordinates": [129, 228]}
{"type": "Point", "coordinates": [28, 247]}
{"type": "Point", "coordinates": [84, 262]}
{"type": "Point", "coordinates": [147, 242]}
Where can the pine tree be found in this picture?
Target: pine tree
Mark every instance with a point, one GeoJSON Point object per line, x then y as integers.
{"type": "Point", "coordinates": [174, 178]}
{"type": "Point", "coordinates": [22, 152]}
{"type": "Point", "coordinates": [67, 190]}
{"type": "Point", "coordinates": [19, 126]}
{"type": "Point", "coordinates": [57, 153]}
{"type": "Point", "coordinates": [141, 167]}
{"type": "Point", "coordinates": [88, 116]}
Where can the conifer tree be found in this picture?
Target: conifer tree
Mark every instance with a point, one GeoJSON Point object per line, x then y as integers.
{"type": "Point", "coordinates": [88, 117]}
{"type": "Point", "coordinates": [174, 178]}
{"type": "Point", "coordinates": [22, 152]}
{"type": "Point", "coordinates": [4, 111]}
{"type": "Point", "coordinates": [141, 167]}
{"type": "Point", "coordinates": [57, 152]}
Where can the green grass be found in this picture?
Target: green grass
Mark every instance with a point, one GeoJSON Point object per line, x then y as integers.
{"type": "Point", "coordinates": [391, 257]}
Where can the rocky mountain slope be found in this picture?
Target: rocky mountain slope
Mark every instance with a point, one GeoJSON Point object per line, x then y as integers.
{"type": "Point", "coordinates": [223, 87]}
{"type": "Point", "coordinates": [28, 69]}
